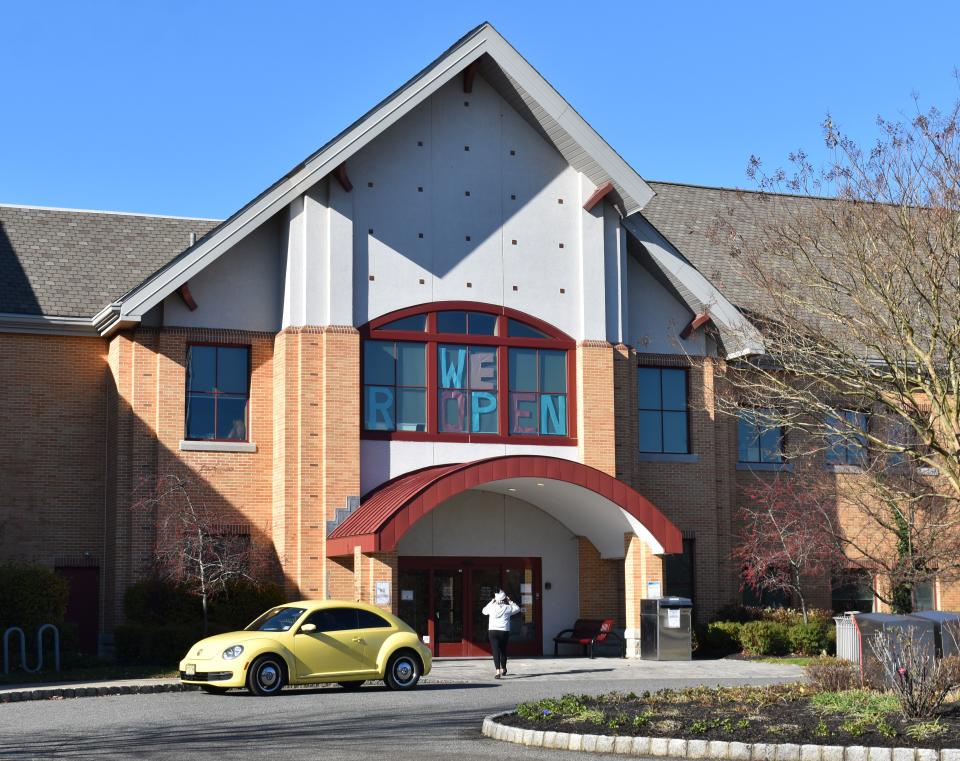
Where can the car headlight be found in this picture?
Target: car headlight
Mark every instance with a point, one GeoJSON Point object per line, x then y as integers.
{"type": "Point", "coordinates": [232, 652]}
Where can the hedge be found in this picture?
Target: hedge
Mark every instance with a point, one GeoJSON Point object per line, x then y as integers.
{"type": "Point", "coordinates": [164, 619]}
{"type": "Point", "coordinates": [30, 596]}
{"type": "Point", "coordinates": [765, 638]}
{"type": "Point", "coordinates": [720, 638]}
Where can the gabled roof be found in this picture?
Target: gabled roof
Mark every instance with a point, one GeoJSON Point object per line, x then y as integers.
{"type": "Point", "coordinates": [499, 63]}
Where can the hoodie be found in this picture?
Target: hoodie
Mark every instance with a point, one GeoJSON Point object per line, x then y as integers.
{"type": "Point", "coordinates": [499, 611]}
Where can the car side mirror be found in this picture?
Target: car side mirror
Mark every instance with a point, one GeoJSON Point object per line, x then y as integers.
{"type": "Point", "coordinates": [307, 628]}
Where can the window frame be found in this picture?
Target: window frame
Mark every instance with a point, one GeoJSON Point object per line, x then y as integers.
{"type": "Point", "coordinates": [686, 410]}
{"type": "Point", "coordinates": [432, 338]}
{"type": "Point", "coordinates": [186, 391]}
{"type": "Point", "coordinates": [782, 439]}
{"type": "Point", "coordinates": [864, 447]}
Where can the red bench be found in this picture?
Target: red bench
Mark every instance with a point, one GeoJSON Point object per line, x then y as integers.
{"type": "Point", "coordinates": [587, 632]}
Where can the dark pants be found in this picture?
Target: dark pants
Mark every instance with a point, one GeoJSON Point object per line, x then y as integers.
{"type": "Point", "coordinates": [498, 643]}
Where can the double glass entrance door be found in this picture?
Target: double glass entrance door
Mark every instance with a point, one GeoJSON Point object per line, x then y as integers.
{"type": "Point", "coordinates": [443, 600]}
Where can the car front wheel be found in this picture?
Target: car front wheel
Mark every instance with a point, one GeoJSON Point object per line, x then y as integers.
{"type": "Point", "coordinates": [403, 671]}
{"type": "Point", "coordinates": [267, 675]}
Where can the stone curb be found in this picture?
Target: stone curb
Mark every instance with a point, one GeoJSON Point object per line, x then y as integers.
{"type": "Point", "coordinates": [705, 749]}
{"type": "Point", "coordinates": [59, 693]}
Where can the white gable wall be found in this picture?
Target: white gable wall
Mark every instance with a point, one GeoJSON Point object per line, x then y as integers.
{"type": "Point", "coordinates": [656, 317]}
{"type": "Point", "coordinates": [242, 290]}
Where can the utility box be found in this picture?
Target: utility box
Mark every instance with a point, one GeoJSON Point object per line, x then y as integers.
{"type": "Point", "coordinates": [919, 630]}
{"type": "Point", "coordinates": [946, 630]}
{"type": "Point", "coordinates": [666, 629]}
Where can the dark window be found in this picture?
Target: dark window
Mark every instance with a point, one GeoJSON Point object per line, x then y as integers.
{"type": "Point", "coordinates": [662, 402]}
{"type": "Point", "coordinates": [417, 323]}
{"type": "Point", "coordinates": [368, 620]}
{"type": "Point", "coordinates": [852, 590]}
{"type": "Point", "coordinates": [538, 392]}
{"type": "Point", "coordinates": [846, 438]}
{"type": "Point", "coordinates": [678, 572]}
{"type": "Point", "coordinates": [923, 596]}
{"type": "Point", "coordinates": [276, 620]}
{"type": "Point", "coordinates": [522, 330]}
{"type": "Point", "coordinates": [334, 619]}
{"type": "Point", "coordinates": [757, 440]}
{"type": "Point", "coordinates": [218, 392]}
{"type": "Point", "coordinates": [394, 386]}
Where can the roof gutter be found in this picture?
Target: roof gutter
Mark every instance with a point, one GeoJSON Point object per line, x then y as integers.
{"type": "Point", "coordinates": [50, 325]}
{"type": "Point", "coordinates": [110, 319]}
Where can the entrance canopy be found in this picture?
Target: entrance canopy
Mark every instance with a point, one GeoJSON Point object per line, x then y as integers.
{"type": "Point", "coordinates": [587, 501]}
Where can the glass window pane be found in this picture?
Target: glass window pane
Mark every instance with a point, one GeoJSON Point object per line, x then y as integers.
{"type": "Point", "coordinates": [232, 418]}
{"type": "Point", "coordinates": [416, 322]}
{"type": "Point", "coordinates": [675, 432]}
{"type": "Point", "coordinates": [553, 415]}
{"type": "Point", "coordinates": [368, 620]}
{"type": "Point", "coordinates": [452, 322]}
{"type": "Point", "coordinates": [523, 414]}
{"type": "Point", "coordinates": [771, 445]}
{"type": "Point", "coordinates": [650, 432]}
{"type": "Point", "coordinates": [379, 365]}
{"type": "Point", "coordinates": [553, 372]}
{"type": "Point", "coordinates": [411, 364]}
{"type": "Point", "coordinates": [334, 619]}
{"type": "Point", "coordinates": [674, 389]}
{"type": "Point", "coordinates": [481, 324]}
{"type": "Point", "coordinates": [483, 412]}
{"type": "Point", "coordinates": [452, 408]}
{"type": "Point", "coordinates": [411, 409]}
{"type": "Point", "coordinates": [923, 596]}
{"type": "Point", "coordinates": [452, 366]}
{"type": "Point", "coordinates": [202, 368]}
{"type": "Point", "coordinates": [200, 417]}
{"type": "Point", "coordinates": [746, 438]}
{"type": "Point", "coordinates": [379, 411]}
{"type": "Point", "coordinates": [522, 330]}
{"type": "Point", "coordinates": [483, 368]}
{"type": "Point", "coordinates": [523, 369]}
{"type": "Point", "coordinates": [648, 386]}
{"type": "Point", "coordinates": [233, 370]}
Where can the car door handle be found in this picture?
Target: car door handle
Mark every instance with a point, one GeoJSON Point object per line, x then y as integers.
{"type": "Point", "coordinates": [358, 639]}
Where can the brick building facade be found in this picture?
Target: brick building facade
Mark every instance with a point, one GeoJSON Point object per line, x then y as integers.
{"type": "Point", "coordinates": [473, 222]}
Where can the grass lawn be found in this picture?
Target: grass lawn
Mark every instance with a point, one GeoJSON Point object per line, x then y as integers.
{"type": "Point", "coordinates": [795, 660]}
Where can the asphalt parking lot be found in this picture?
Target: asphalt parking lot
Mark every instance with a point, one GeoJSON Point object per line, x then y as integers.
{"type": "Point", "coordinates": [439, 720]}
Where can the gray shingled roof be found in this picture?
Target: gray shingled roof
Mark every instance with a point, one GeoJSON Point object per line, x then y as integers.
{"type": "Point", "coordinates": [67, 263]}
{"type": "Point", "coordinates": [689, 215]}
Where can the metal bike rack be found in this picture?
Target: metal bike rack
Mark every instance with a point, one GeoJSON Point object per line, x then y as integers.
{"type": "Point", "coordinates": [23, 648]}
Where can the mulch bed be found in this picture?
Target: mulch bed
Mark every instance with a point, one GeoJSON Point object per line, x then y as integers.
{"type": "Point", "coordinates": [781, 714]}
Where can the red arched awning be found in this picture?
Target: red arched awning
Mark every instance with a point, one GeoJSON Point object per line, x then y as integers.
{"type": "Point", "coordinates": [387, 512]}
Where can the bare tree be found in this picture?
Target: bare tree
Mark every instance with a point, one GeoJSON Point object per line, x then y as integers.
{"type": "Point", "coordinates": [858, 297]}
{"type": "Point", "coordinates": [196, 546]}
{"type": "Point", "coordinates": [781, 549]}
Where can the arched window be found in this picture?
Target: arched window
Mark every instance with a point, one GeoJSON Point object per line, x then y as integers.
{"type": "Point", "coordinates": [463, 371]}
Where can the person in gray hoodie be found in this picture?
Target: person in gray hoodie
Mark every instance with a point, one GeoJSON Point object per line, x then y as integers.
{"type": "Point", "coordinates": [499, 610]}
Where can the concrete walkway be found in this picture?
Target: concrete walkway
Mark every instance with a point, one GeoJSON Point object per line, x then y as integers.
{"type": "Point", "coordinates": [470, 671]}
{"type": "Point", "coordinates": [549, 669]}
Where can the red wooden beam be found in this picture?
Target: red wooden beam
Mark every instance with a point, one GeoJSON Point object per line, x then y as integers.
{"type": "Point", "coordinates": [468, 76]}
{"type": "Point", "coordinates": [184, 293]}
{"type": "Point", "coordinates": [598, 195]}
{"type": "Point", "coordinates": [697, 322]}
{"type": "Point", "coordinates": [341, 174]}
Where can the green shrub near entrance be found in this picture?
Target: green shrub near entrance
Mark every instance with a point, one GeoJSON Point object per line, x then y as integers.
{"type": "Point", "coordinates": [765, 638]}
{"type": "Point", "coordinates": [30, 596]}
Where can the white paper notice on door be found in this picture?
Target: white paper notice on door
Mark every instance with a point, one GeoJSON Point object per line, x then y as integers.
{"type": "Point", "coordinates": [381, 594]}
{"type": "Point", "coordinates": [673, 618]}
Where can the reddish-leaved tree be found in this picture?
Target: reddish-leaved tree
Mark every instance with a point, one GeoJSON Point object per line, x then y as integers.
{"type": "Point", "coordinates": [783, 542]}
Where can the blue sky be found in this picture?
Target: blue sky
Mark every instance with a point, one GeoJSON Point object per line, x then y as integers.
{"type": "Point", "coordinates": [192, 108]}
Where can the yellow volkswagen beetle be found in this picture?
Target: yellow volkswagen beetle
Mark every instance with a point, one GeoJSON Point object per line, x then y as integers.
{"type": "Point", "coordinates": [310, 642]}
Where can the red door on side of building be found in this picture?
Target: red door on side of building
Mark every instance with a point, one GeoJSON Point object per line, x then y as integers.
{"type": "Point", "coordinates": [83, 604]}
{"type": "Point", "coordinates": [443, 599]}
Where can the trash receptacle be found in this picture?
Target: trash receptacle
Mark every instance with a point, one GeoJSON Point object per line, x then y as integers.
{"type": "Point", "coordinates": [946, 631]}
{"type": "Point", "coordinates": [665, 629]}
{"type": "Point", "coordinates": [920, 630]}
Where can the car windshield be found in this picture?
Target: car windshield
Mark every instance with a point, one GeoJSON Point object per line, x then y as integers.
{"type": "Point", "coordinates": [276, 620]}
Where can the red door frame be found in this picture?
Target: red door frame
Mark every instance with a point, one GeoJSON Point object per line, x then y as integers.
{"type": "Point", "coordinates": [465, 565]}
